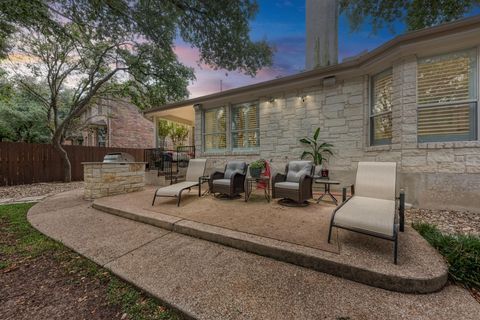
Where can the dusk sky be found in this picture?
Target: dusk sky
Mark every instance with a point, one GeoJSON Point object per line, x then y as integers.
{"type": "Point", "coordinates": [281, 23]}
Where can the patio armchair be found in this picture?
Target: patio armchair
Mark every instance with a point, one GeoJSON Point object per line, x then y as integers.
{"type": "Point", "coordinates": [231, 182]}
{"type": "Point", "coordinates": [296, 183]}
{"type": "Point", "coordinates": [195, 170]}
{"type": "Point", "coordinates": [372, 207]}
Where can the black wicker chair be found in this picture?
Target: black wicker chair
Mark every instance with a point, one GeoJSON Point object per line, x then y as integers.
{"type": "Point", "coordinates": [231, 182]}
{"type": "Point", "coordinates": [296, 184]}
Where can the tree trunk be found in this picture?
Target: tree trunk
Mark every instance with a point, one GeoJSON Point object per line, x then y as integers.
{"type": "Point", "coordinates": [67, 167]}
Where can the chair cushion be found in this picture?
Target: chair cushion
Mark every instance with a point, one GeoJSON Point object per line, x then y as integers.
{"type": "Point", "coordinates": [196, 169]}
{"type": "Point", "coordinates": [296, 169]}
{"type": "Point", "coordinates": [222, 182]}
{"type": "Point", "coordinates": [234, 167]}
{"type": "Point", "coordinates": [367, 214]}
{"type": "Point", "coordinates": [376, 180]}
{"type": "Point", "coordinates": [288, 185]}
{"type": "Point", "coordinates": [174, 189]}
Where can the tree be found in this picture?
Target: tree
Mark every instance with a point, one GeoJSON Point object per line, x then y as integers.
{"type": "Point", "coordinates": [417, 14]}
{"type": "Point", "coordinates": [23, 120]}
{"type": "Point", "coordinates": [178, 134]}
{"type": "Point", "coordinates": [163, 131]}
{"type": "Point", "coordinates": [21, 116]}
{"type": "Point", "coordinates": [86, 50]}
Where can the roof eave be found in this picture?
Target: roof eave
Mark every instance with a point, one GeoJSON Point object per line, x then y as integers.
{"type": "Point", "coordinates": [416, 35]}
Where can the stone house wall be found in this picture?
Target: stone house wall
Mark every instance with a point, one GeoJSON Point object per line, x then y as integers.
{"type": "Point", "coordinates": [434, 175]}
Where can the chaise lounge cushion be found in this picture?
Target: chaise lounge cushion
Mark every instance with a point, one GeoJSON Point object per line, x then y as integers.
{"type": "Point", "coordinates": [174, 189]}
{"type": "Point", "coordinates": [287, 185]}
{"type": "Point", "coordinates": [221, 182]}
{"type": "Point", "coordinates": [196, 169]}
{"type": "Point", "coordinates": [376, 180]}
{"type": "Point", "coordinates": [367, 214]}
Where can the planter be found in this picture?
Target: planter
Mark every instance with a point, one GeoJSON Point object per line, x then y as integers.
{"type": "Point", "coordinates": [255, 172]}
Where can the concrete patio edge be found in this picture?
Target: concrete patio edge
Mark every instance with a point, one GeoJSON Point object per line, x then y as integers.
{"type": "Point", "coordinates": [283, 251]}
{"type": "Point", "coordinates": [185, 315]}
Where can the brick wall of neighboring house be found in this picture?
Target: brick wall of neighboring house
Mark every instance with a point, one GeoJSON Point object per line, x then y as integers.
{"type": "Point", "coordinates": [125, 125]}
{"type": "Point", "coordinates": [128, 128]}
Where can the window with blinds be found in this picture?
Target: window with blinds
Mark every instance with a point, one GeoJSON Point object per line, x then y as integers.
{"type": "Point", "coordinates": [245, 129]}
{"type": "Point", "coordinates": [381, 108]}
{"type": "Point", "coordinates": [215, 129]}
{"type": "Point", "coordinates": [447, 97]}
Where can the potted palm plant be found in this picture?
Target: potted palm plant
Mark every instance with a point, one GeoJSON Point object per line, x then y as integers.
{"type": "Point", "coordinates": [318, 151]}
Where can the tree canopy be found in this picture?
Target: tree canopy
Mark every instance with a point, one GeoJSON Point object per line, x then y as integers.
{"type": "Point", "coordinates": [85, 50]}
{"type": "Point", "coordinates": [21, 115]}
{"type": "Point", "coordinates": [417, 14]}
{"type": "Point", "coordinates": [219, 29]}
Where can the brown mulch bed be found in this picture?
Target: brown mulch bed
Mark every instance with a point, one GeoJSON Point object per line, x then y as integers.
{"type": "Point", "coordinates": [37, 189]}
{"type": "Point", "coordinates": [44, 288]}
{"type": "Point", "coordinates": [447, 221]}
{"type": "Point", "coordinates": [42, 279]}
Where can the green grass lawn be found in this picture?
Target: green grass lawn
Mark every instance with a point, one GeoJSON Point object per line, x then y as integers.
{"type": "Point", "coordinates": [20, 243]}
{"type": "Point", "coordinates": [462, 253]}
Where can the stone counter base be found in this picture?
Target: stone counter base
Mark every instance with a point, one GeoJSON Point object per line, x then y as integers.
{"type": "Point", "coordinates": [106, 179]}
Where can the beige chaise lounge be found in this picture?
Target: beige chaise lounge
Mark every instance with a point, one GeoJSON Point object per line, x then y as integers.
{"type": "Point", "coordinates": [195, 170]}
{"type": "Point", "coordinates": [372, 208]}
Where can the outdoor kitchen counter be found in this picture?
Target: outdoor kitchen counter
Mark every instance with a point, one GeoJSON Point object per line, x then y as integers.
{"type": "Point", "coordinates": [104, 179]}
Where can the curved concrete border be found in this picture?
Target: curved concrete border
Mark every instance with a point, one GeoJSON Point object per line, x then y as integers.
{"type": "Point", "coordinates": [205, 280]}
{"type": "Point", "coordinates": [302, 256]}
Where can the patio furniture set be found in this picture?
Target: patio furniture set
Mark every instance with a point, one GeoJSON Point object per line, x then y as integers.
{"type": "Point", "coordinates": [372, 208]}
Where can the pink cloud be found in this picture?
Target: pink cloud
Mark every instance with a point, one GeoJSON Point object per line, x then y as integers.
{"type": "Point", "coordinates": [208, 79]}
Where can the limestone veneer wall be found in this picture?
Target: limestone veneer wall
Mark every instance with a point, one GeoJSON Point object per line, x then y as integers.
{"type": "Point", "coordinates": [107, 179]}
{"type": "Point", "coordinates": [434, 175]}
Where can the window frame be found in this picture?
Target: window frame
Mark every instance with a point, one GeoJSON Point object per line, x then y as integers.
{"type": "Point", "coordinates": [228, 107]}
{"type": "Point", "coordinates": [372, 115]}
{"type": "Point", "coordinates": [472, 103]}
{"type": "Point", "coordinates": [257, 129]}
{"type": "Point", "coordinates": [204, 134]}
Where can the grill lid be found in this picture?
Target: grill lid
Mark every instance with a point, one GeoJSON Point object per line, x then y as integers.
{"type": "Point", "coordinates": [118, 157]}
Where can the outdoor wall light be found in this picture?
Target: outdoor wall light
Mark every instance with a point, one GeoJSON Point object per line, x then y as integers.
{"type": "Point", "coordinates": [271, 99]}
{"type": "Point", "coordinates": [329, 81]}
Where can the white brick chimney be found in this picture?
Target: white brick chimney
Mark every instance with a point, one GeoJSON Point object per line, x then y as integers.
{"type": "Point", "coordinates": [321, 33]}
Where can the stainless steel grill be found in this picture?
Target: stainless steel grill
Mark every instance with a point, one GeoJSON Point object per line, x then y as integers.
{"type": "Point", "coordinates": [118, 157]}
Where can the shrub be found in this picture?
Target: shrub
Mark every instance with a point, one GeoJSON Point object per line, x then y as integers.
{"type": "Point", "coordinates": [462, 253]}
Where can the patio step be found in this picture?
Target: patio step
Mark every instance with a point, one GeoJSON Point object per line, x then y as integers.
{"type": "Point", "coordinates": [204, 280]}
{"type": "Point", "coordinates": [421, 269]}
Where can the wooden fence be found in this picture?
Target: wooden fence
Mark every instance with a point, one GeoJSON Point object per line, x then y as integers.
{"type": "Point", "coordinates": [24, 163]}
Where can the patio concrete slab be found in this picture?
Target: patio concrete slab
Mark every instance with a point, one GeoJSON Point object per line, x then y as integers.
{"type": "Point", "coordinates": [271, 219]}
{"type": "Point", "coordinates": [62, 200]}
{"type": "Point", "coordinates": [205, 280]}
{"type": "Point", "coordinates": [360, 258]}
{"type": "Point", "coordinates": [101, 241]}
